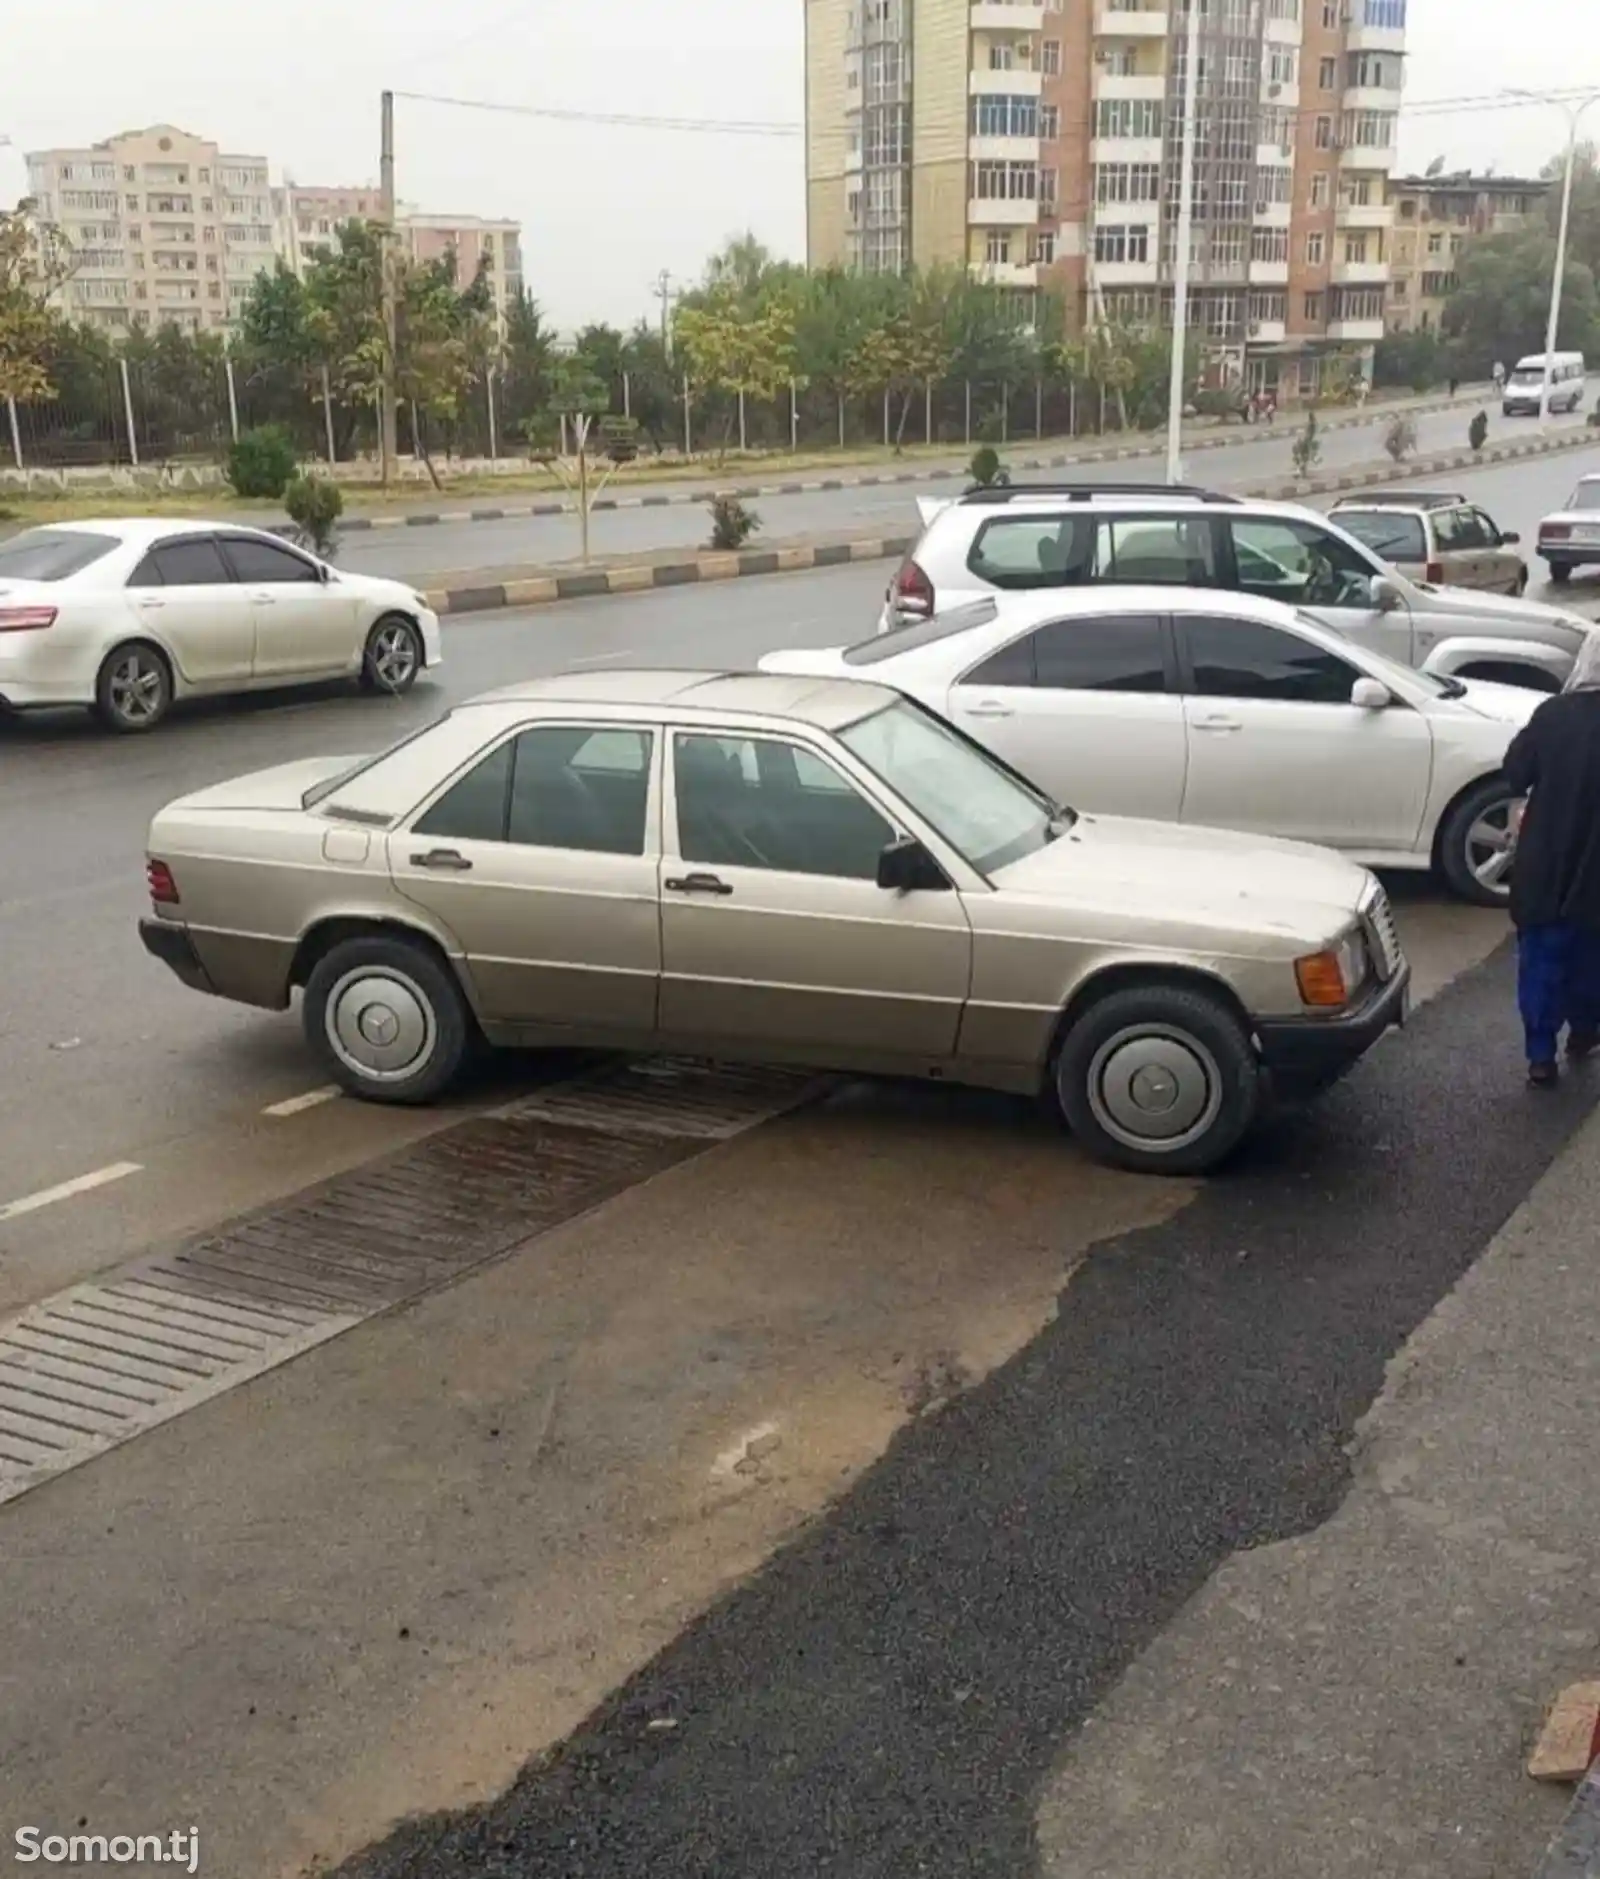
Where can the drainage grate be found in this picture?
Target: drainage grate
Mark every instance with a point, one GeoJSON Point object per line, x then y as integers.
{"type": "Point", "coordinates": [89, 1368]}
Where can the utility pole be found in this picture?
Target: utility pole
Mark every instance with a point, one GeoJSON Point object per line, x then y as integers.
{"type": "Point", "coordinates": [388, 439]}
{"type": "Point", "coordinates": [663, 291]}
{"type": "Point", "coordinates": [1180, 259]}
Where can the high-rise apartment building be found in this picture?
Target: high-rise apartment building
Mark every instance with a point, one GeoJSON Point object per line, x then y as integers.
{"type": "Point", "coordinates": [1038, 142]}
{"type": "Point", "coordinates": [1434, 217]}
{"type": "Point", "coordinates": [475, 242]}
{"type": "Point", "coordinates": [165, 227]}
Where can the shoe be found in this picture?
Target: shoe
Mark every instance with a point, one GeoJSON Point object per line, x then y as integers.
{"type": "Point", "coordinates": [1543, 1076]}
{"type": "Point", "coordinates": [1581, 1044]}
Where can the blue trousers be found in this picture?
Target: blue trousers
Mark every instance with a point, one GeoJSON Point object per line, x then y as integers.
{"type": "Point", "coordinates": [1558, 983]}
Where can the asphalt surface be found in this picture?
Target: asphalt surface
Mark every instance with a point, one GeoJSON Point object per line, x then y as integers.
{"type": "Point", "coordinates": [886, 1697]}
{"type": "Point", "coordinates": [444, 548]}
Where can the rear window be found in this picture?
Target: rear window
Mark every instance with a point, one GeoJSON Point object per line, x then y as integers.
{"type": "Point", "coordinates": [1016, 551]}
{"type": "Point", "coordinates": [1587, 494]}
{"type": "Point", "coordinates": [1395, 537]}
{"type": "Point", "coordinates": [52, 554]}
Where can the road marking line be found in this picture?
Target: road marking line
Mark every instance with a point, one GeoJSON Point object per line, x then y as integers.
{"type": "Point", "coordinates": [605, 658]}
{"type": "Point", "coordinates": [48, 1196]}
{"type": "Point", "coordinates": [292, 1105]}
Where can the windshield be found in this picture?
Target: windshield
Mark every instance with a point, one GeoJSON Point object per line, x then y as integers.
{"type": "Point", "coordinates": [1587, 494]}
{"type": "Point", "coordinates": [51, 554]}
{"type": "Point", "coordinates": [1528, 375]}
{"type": "Point", "coordinates": [1395, 537]}
{"type": "Point", "coordinates": [983, 810]}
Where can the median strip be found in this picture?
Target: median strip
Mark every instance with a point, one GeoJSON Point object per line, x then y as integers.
{"type": "Point", "coordinates": [545, 588]}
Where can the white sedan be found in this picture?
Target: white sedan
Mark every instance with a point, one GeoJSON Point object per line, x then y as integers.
{"type": "Point", "coordinates": [1218, 709]}
{"type": "Point", "coordinates": [126, 616]}
{"type": "Point", "coordinates": [1570, 538]}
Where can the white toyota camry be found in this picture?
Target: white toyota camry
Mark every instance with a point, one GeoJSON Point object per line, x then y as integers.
{"type": "Point", "coordinates": [1219, 709]}
{"type": "Point", "coordinates": [126, 616]}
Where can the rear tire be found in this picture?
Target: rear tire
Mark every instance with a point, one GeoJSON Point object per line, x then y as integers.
{"type": "Point", "coordinates": [393, 656]}
{"type": "Point", "coordinates": [133, 688]}
{"type": "Point", "coordinates": [387, 1018]}
{"type": "Point", "coordinates": [1475, 829]}
{"type": "Point", "coordinates": [1521, 585]}
{"type": "Point", "coordinates": [1159, 1079]}
{"type": "Point", "coordinates": [1560, 573]}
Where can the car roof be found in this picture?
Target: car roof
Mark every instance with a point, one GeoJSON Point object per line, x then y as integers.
{"type": "Point", "coordinates": [1037, 604]}
{"type": "Point", "coordinates": [824, 703]}
{"type": "Point", "coordinates": [146, 528]}
{"type": "Point", "coordinates": [1142, 498]}
{"type": "Point", "coordinates": [1400, 499]}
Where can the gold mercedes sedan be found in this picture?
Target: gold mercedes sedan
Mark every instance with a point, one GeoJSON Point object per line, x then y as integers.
{"type": "Point", "coordinates": [773, 869]}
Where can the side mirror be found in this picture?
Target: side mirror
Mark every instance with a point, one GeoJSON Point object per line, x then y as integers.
{"type": "Point", "coordinates": [1508, 536]}
{"type": "Point", "coordinates": [906, 867]}
{"type": "Point", "coordinates": [1371, 695]}
{"type": "Point", "coordinates": [1386, 596]}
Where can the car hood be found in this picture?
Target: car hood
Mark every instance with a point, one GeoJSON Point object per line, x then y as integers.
{"type": "Point", "coordinates": [1472, 604]}
{"type": "Point", "coordinates": [380, 588]}
{"type": "Point", "coordinates": [1505, 704]}
{"type": "Point", "coordinates": [1177, 876]}
{"type": "Point", "coordinates": [279, 788]}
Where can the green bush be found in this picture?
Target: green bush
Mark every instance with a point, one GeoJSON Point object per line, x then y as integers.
{"type": "Point", "coordinates": [1478, 430]}
{"type": "Point", "coordinates": [732, 524]}
{"type": "Point", "coordinates": [985, 467]}
{"type": "Point", "coordinates": [315, 503]}
{"type": "Point", "coordinates": [262, 462]}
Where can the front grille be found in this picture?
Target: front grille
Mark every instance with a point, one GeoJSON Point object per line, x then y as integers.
{"type": "Point", "coordinates": [1377, 917]}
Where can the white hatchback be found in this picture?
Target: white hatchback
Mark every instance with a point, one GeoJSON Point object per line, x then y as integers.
{"type": "Point", "coordinates": [1221, 710]}
{"type": "Point", "coordinates": [126, 616]}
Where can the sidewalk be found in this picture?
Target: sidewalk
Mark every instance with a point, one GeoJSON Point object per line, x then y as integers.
{"type": "Point", "coordinates": [1360, 1703]}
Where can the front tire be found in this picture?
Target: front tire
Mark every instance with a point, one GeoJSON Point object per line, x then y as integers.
{"type": "Point", "coordinates": [1476, 844]}
{"type": "Point", "coordinates": [388, 1019]}
{"type": "Point", "coordinates": [393, 656]}
{"type": "Point", "coordinates": [1520, 585]}
{"type": "Point", "coordinates": [1159, 1079]}
{"type": "Point", "coordinates": [133, 688]}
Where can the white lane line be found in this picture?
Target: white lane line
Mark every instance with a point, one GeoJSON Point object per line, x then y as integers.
{"type": "Point", "coordinates": [292, 1105]}
{"type": "Point", "coordinates": [605, 658]}
{"type": "Point", "coordinates": [48, 1196]}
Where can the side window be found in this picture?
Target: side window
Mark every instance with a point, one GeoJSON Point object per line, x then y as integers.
{"type": "Point", "coordinates": [1117, 653]}
{"type": "Point", "coordinates": [1170, 550]}
{"type": "Point", "coordinates": [267, 564]}
{"type": "Point", "coordinates": [194, 562]}
{"type": "Point", "coordinates": [1244, 659]}
{"type": "Point", "coordinates": [474, 808]}
{"type": "Point", "coordinates": [756, 802]}
{"type": "Point", "coordinates": [1011, 665]}
{"type": "Point", "coordinates": [580, 788]}
{"type": "Point", "coordinates": [1488, 531]}
{"type": "Point", "coordinates": [1299, 563]}
{"type": "Point", "coordinates": [1019, 551]}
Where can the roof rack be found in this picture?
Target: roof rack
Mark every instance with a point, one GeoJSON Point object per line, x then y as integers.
{"type": "Point", "coordinates": [1086, 492]}
{"type": "Point", "coordinates": [1402, 498]}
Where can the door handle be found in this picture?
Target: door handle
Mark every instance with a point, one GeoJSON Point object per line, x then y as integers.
{"type": "Point", "coordinates": [696, 884]}
{"type": "Point", "coordinates": [265, 600]}
{"type": "Point", "coordinates": [990, 708]}
{"type": "Point", "coordinates": [151, 600]}
{"type": "Point", "coordinates": [1219, 724]}
{"type": "Point", "coordinates": [447, 860]}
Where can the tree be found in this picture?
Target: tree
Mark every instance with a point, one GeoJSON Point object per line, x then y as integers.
{"type": "Point", "coordinates": [577, 398]}
{"type": "Point", "coordinates": [745, 354]}
{"type": "Point", "coordinates": [442, 343]}
{"type": "Point", "coordinates": [1501, 304]}
{"type": "Point", "coordinates": [527, 363]}
{"type": "Point", "coordinates": [34, 261]}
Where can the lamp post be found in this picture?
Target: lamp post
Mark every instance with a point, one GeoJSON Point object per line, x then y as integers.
{"type": "Point", "coordinates": [1185, 234]}
{"type": "Point", "coordinates": [1574, 111]}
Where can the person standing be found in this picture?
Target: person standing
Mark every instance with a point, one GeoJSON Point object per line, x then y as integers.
{"type": "Point", "coordinates": [1554, 761]}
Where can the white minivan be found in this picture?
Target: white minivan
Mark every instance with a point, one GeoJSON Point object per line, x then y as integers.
{"type": "Point", "coordinates": [1525, 387]}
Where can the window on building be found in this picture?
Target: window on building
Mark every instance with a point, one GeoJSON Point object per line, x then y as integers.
{"type": "Point", "coordinates": [1269, 308]}
{"type": "Point", "coordinates": [1002, 115]}
{"type": "Point", "coordinates": [1319, 189]}
{"type": "Point", "coordinates": [1281, 65]}
{"type": "Point", "coordinates": [1357, 303]}
{"type": "Point", "coordinates": [1436, 244]}
{"type": "Point", "coordinates": [1311, 306]}
{"type": "Point", "coordinates": [1050, 58]}
{"type": "Point", "coordinates": [997, 246]}
{"type": "Point", "coordinates": [1127, 117]}
{"type": "Point", "coordinates": [1002, 55]}
{"type": "Point", "coordinates": [1049, 122]}
{"type": "Point", "coordinates": [1048, 185]}
{"type": "Point", "coordinates": [1274, 183]}
{"type": "Point", "coordinates": [1269, 244]}
{"type": "Point", "coordinates": [1355, 246]}
{"type": "Point", "coordinates": [1316, 248]}
{"type": "Point", "coordinates": [1042, 247]}
{"type": "Point", "coordinates": [1322, 136]}
{"type": "Point", "coordinates": [1327, 74]}
{"type": "Point", "coordinates": [1368, 130]}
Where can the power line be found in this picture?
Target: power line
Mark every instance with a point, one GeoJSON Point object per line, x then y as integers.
{"type": "Point", "coordinates": [725, 127]}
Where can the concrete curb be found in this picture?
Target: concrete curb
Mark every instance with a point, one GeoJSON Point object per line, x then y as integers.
{"type": "Point", "coordinates": [593, 583]}
{"type": "Point", "coordinates": [1225, 437]}
{"type": "Point", "coordinates": [1574, 1853]}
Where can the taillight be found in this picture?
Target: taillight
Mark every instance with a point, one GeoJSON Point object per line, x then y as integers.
{"type": "Point", "coordinates": [163, 889]}
{"type": "Point", "coordinates": [1555, 531]}
{"type": "Point", "coordinates": [1434, 572]}
{"type": "Point", "coordinates": [26, 619]}
{"type": "Point", "coordinates": [911, 592]}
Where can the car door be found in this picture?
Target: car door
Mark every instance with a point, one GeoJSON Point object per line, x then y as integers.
{"type": "Point", "coordinates": [1304, 565]}
{"type": "Point", "coordinates": [542, 860]}
{"type": "Point", "coordinates": [1502, 558]}
{"type": "Point", "coordinates": [775, 936]}
{"type": "Point", "coordinates": [1276, 746]}
{"type": "Point", "coordinates": [306, 626]}
{"type": "Point", "coordinates": [1085, 707]}
{"type": "Point", "coordinates": [184, 595]}
{"type": "Point", "coordinates": [1461, 548]}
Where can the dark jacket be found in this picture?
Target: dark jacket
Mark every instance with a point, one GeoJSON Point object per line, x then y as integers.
{"type": "Point", "coordinates": [1555, 760]}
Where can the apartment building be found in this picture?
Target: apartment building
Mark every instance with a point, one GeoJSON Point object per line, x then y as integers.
{"type": "Point", "coordinates": [165, 227]}
{"type": "Point", "coordinates": [475, 241]}
{"type": "Point", "coordinates": [1039, 142]}
{"type": "Point", "coordinates": [1434, 216]}
{"type": "Point", "coordinates": [304, 217]}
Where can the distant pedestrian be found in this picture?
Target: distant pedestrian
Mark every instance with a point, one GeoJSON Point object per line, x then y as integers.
{"type": "Point", "coordinates": [1554, 761]}
{"type": "Point", "coordinates": [1454, 382]}
{"type": "Point", "coordinates": [1499, 376]}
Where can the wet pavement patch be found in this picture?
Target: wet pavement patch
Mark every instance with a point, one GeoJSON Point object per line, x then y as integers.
{"type": "Point", "coordinates": [888, 1695]}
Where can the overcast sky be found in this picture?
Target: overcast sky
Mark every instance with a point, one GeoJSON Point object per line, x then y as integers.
{"type": "Point", "coordinates": [603, 208]}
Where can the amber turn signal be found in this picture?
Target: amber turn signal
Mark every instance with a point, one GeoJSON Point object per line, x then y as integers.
{"type": "Point", "coordinates": [1320, 980]}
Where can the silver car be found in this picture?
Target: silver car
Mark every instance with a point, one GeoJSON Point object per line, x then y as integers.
{"type": "Point", "coordinates": [772, 869]}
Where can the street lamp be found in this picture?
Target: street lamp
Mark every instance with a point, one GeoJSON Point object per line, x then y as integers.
{"type": "Point", "coordinates": [1185, 233]}
{"type": "Point", "coordinates": [1574, 111]}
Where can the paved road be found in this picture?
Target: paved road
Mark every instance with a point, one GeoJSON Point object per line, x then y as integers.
{"type": "Point", "coordinates": [448, 547]}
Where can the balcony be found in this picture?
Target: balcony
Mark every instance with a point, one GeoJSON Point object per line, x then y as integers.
{"type": "Point", "coordinates": [1004, 149]}
{"type": "Point", "coordinates": [1007, 273]}
{"type": "Point", "coordinates": [1129, 84]}
{"type": "Point", "coordinates": [1125, 273]}
{"type": "Point", "coordinates": [1007, 16]}
{"type": "Point", "coordinates": [1358, 332]}
{"type": "Point", "coordinates": [1125, 150]}
{"type": "Point", "coordinates": [1271, 214]}
{"type": "Point", "coordinates": [1020, 82]}
{"type": "Point", "coordinates": [1363, 38]}
{"type": "Point", "coordinates": [1368, 157]}
{"type": "Point", "coordinates": [1269, 273]}
{"type": "Point", "coordinates": [1359, 273]}
{"type": "Point", "coordinates": [1114, 23]}
{"type": "Point", "coordinates": [987, 212]}
{"type": "Point", "coordinates": [1371, 98]}
{"type": "Point", "coordinates": [1364, 215]}
{"type": "Point", "coordinates": [1267, 332]}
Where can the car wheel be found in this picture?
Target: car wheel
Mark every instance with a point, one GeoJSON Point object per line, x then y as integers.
{"type": "Point", "coordinates": [393, 656]}
{"type": "Point", "coordinates": [1520, 585]}
{"type": "Point", "coordinates": [387, 1018]}
{"type": "Point", "coordinates": [1560, 573]}
{"type": "Point", "coordinates": [1160, 1079]}
{"type": "Point", "coordinates": [133, 690]}
{"type": "Point", "coordinates": [1476, 843]}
